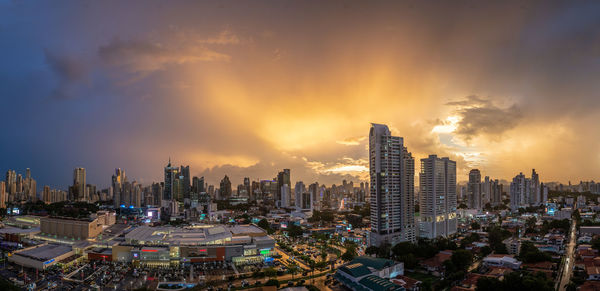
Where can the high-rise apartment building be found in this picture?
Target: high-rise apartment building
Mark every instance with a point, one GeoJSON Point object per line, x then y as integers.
{"type": "Point", "coordinates": [286, 196]}
{"type": "Point", "coordinates": [247, 187]}
{"type": "Point", "coordinates": [437, 183]}
{"type": "Point", "coordinates": [474, 200]}
{"type": "Point", "coordinates": [526, 192]}
{"type": "Point", "coordinates": [198, 185]}
{"type": "Point", "coordinates": [225, 188]}
{"type": "Point", "coordinates": [496, 193]}
{"type": "Point", "coordinates": [3, 198]}
{"type": "Point", "coordinates": [299, 189]}
{"type": "Point", "coordinates": [117, 186]}
{"type": "Point", "coordinates": [536, 191]}
{"type": "Point", "coordinates": [184, 175]}
{"type": "Point", "coordinates": [283, 179]}
{"type": "Point", "coordinates": [171, 173]}
{"type": "Point", "coordinates": [391, 169]}
{"type": "Point", "coordinates": [520, 190]}
{"type": "Point", "coordinates": [79, 190]}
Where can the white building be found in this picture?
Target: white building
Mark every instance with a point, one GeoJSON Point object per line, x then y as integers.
{"type": "Point", "coordinates": [497, 260]}
{"type": "Point", "coordinates": [438, 197]}
{"type": "Point", "coordinates": [526, 192]}
{"type": "Point", "coordinates": [298, 191]}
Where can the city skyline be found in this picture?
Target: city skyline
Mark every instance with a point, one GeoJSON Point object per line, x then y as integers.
{"type": "Point", "coordinates": [229, 91]}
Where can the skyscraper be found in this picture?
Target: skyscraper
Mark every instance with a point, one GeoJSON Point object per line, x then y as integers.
{"type": "Point", "coordinates": [391, 169]}
{"type": "Point", "coordinates": [171, 174]}
{"type": "Point", "coordinates": [283, 179]}
{"type": "Point", "coordinates": [526, 192]}
{"type": "Point", "coordinates": [536, 193]}
{"type": "Point", "coordinates": [225, 188]}
{"type": "Point", "coordinates": [186, 182]}
{"type": "Point", "coordinates": [247, 187]}
{"type": "Point", "coordinates": [3, 197]}
{"type": "Point", "coordinates": [117, 186]}
{"type": "Point", "coordinates": [198, 185]}
{"type": "Point", "coordinates": [285, 196]}
{"type": "Point", "coordinates": [79, 185]}
{"type": "Point", "coordinates": [474, 190]}
{"type": "Point", "coordinates": [11, 182]}
{"type": "Point", "coordinates": [496, 197]}
{"type": "Point", "coordinates": [519, 192]}
{"type": "Point", "coordinates": [299, 189]}
{"type": "Point", "coordinates": [437, 183]}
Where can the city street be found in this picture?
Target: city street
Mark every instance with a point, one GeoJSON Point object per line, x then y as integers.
{"type": "Point", "coordinates": [569, 259]}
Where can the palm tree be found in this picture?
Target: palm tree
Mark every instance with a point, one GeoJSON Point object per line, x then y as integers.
{"type": "Point", "coordinates": [293, 269]}
{"type": "Point", "coordinates": [312, 270]}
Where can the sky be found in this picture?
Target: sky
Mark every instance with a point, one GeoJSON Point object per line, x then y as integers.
{"type": "Point", "coordinates": [247, 88]}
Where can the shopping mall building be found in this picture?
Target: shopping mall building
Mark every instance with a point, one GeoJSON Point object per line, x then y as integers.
{"type": "Point", "coordinates": [163, 246]}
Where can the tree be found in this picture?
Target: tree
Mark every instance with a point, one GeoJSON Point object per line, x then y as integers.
{"type": "Point", "coordinates": [530, 223]}
{"type": "Point", "coordinates": [403, 248]}
{"type": "Point", "coordinates": [475, 225]}
{"type": "Point", "coordinates": [384, 250]}
{"type": "Point", "coordinates": [486, 250]}
{"type": "Point", "coordinates": [272, 282]}
{"type": "Point", "coordinates": [410, 261]}
{"type": "Point", "coordinates": [270, 272]}
{"type": "Point", "coordinates": [516, 281]}
{"type": "Point", "coordinates": [349, 254]}
{"type": "Point", "coordinates": [529, 253]}
{"type": "Point", "coordinates": [485, 283]}
{"type": "Point", "coordinates": [372, 250]}
{"type": "Point", "coordinates": [293, 269]}
{"type": "Point", "coordinates": [495, 237]}
{"type": "Point", "coordinates": [295, 231]}
{"type": "Point", "coordinates": [596, 243]}
{"type": "Point", "coordinates": [264, 224]}
{"type": "Point", "coordinates": [461, 259]}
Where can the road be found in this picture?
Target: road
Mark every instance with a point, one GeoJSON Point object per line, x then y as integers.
{"type": "Point", "coordinates": [569, 260]}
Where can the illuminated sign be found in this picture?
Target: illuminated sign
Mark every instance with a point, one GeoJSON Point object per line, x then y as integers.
{"type": "Point", "coordinates": [150, 251]}
{"type": "Point", "coordinates": [48, 262]}
{"type": "Point", "coordinates": [265, 251]}
{"type": "Point", "coordinates": [135, 255]}
{"type": "Point", "coordinates": [150, 213]}
{"type": "Point", "coordinates": [202, 250]}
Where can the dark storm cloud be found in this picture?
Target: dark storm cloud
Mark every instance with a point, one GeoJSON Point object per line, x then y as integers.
{"type": "Point", "coordinates": [480, 116]}
{"type": "Point", "coordinates": [147, 56]}
{"type": "Point", "coordinates": [69, 71]}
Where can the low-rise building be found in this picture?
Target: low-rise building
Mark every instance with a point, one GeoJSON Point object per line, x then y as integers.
{"type": "Point", "coordinates": [593, 273]}
{"type": "Point", "coordinates": [498, 260]}
{"type": "Point", "coordinates": [70, 228]}
{"type": "Point", "coordinates": [41, 257]}
{"type": "Point", "coordinates": [371, 274]}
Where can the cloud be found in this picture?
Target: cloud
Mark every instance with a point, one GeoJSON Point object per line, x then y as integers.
{"type": "Point", "coordinates": [351, 140]}
{"type": "Point", "coordinates": [139, 56]}
{"type": "Point", "coordinates": [224, 38]}
{"type": "Point", "coordinates": [358, 168]}
{"type": "Point", "coordinates": [69, 70]}
{"type": "Point", "coordinates": [480, 116]}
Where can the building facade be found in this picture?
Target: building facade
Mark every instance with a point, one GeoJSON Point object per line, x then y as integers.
{"type": "Point", "coordinates": [437, 183]}
{"type": "Point", "coordinates": [474, 199]}
{"type": "Point", "coordinates": [391, 169]}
